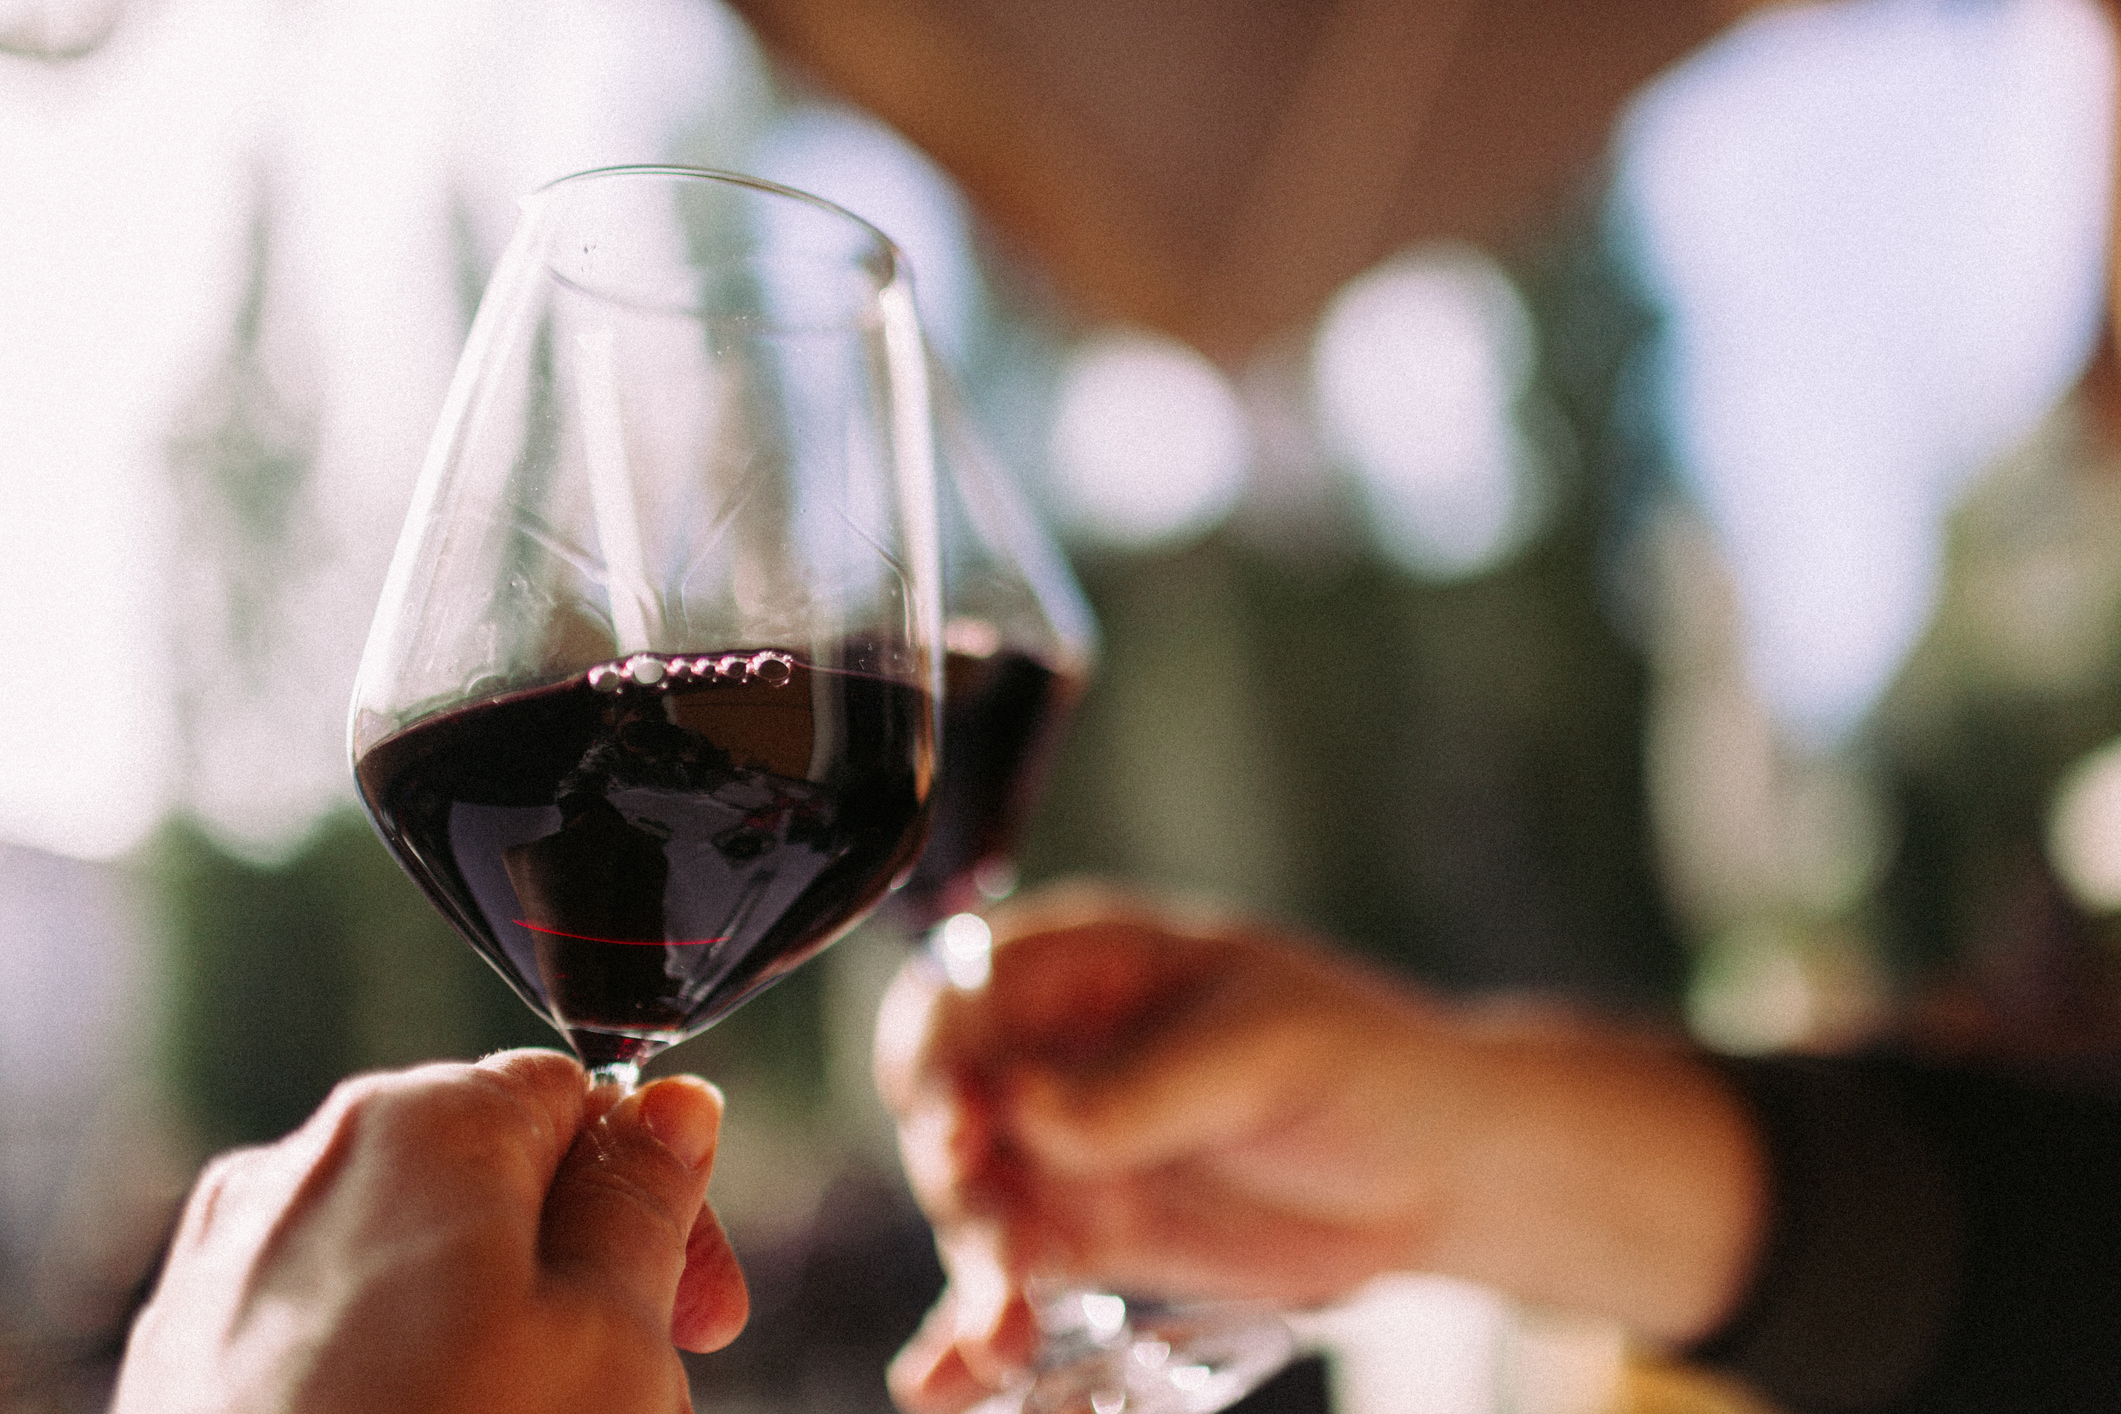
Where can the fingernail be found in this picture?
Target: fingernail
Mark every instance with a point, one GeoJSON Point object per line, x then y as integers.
{"type": "Point", "coordinates": [685, 1115]}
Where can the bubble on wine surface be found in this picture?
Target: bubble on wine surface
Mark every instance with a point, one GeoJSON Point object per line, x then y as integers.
{"type": "Point", "coordinates": [768, 668]}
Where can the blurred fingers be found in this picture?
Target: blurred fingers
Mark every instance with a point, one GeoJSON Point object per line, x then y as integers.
{"type": "Point", "coordinates": [907, 1028]}
{"type": "Point", "coordinates": [1177, 1093]}
{"type": "Point", "coordinates": [993, 1325]}
{"type": "Point", "coordinates": [1064, 986]}
{"type": "Point", "coordinates": [1231, 1059]}
{"type": "Point", "coordinates": [1187, 1235]}
{"type": "Point", "coordinates": [1069, 967]}
{"type": "Point", "coordinates": [956, 1160]}
{"type": "Point", "coordinates": [930, 1375]}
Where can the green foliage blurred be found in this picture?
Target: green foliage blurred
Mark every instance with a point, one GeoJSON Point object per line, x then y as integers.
{"type": "Point", "coordinates": [1448, 776]}
{"type": "Point", "coordinates": [283, 977]}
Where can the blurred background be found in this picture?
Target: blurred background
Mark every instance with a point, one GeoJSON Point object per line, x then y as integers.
{"type": "Point", "coordinates": [1617, 498]}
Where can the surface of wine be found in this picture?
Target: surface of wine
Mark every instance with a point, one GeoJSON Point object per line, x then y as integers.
{"type": "Point", "coordinates": [1003, 715]}
{"type": "Point", "coordinates": [642, 846]}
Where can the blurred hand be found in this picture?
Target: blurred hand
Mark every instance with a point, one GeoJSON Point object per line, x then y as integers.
{"type": "Point", "coordinates": [1180, 1103]}
{"type": "Point", "coordinates": [454, 1238]}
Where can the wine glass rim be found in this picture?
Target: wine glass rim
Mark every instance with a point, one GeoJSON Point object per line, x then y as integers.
{"type": "Point", "coordinates": [889, 247]}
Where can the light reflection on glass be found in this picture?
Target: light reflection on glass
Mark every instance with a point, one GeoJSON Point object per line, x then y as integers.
{"type": "Point", "coordinates": [851, 159]}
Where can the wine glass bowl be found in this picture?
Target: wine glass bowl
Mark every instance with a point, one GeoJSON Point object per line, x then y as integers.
{"type": "Point", "coordinates": [649, 706]}
{"type": "Point", "coordinates": [1019, 644]}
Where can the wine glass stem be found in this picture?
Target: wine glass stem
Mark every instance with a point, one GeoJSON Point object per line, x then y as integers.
{"type": "Point", "coordinates": [624, 1074]}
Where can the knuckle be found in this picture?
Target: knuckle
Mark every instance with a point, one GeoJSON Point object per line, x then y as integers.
{"type": "Point", "coordinates": [223, 1176]}
{"type": "Point", "coordinates": [442, 1108]}
{"type": "Point", "coordinates": [388, 1109]}
{"type": "Point", "coordinates": [520, 1098]}
{"type": "Point", "coordinates": [221, 1171]}
{"type": "Point", "coordinates": [380, 1102]}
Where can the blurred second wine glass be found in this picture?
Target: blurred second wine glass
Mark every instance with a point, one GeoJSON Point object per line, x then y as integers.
{"type": "Point", "coordinates": [1019, 646]}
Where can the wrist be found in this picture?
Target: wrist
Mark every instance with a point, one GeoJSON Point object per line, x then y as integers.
{"type": "Point", "coordinates": [1599, 1172]}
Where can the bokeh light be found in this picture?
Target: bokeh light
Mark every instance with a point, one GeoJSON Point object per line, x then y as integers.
{"type": "Point", "coordinates": [2084, 830]}
{"type": "Point", "coordinates": [1878, 234]}
{"type": "Point", "coordinates": [1149, 446]}
{"type": "Point", "coordinates": [1420, 367]}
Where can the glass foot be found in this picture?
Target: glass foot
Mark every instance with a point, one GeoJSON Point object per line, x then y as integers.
{"type": "Point", "coordinates": [1107, 1354]}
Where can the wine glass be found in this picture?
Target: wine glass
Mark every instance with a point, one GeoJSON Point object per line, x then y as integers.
{"type": "Point", "coordinates": [649, 708]}
{"type": "Point", "coordinates": [1020, 643]}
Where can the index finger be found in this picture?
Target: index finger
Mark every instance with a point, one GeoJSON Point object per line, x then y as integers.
{"type": "Point", "coordinates": [453, 1147]}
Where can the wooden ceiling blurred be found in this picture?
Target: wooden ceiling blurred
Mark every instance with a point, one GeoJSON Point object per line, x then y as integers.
{"type": "Point", "coordinates": [1216, 168]}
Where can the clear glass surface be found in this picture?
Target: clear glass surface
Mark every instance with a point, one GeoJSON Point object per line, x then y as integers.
{"type": "Point", "coordinates": [1102, 1353]}
{"type": "Point", "coordinates": [1019, 645]}
{"type": "Point", "coordinates": [649, 707]}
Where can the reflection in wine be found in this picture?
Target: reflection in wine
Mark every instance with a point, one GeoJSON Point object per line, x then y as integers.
{"type": "Point", "coordinates": [642, 846]}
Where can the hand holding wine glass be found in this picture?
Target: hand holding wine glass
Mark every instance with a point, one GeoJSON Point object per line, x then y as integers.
{"type": "Point", "coordinates": [649, 705]}
{"type": "Point", "coordinates": [1176, 1100]}
{"type": "Point", "coordinates": [1117, 1105]}
{"type": "Point", "coordinates": [648, 711]}
{"type": "Point", "coordinates": [446, 1240]}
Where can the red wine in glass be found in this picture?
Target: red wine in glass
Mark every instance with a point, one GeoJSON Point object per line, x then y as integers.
{"type": "Point", "coordinates": [639, 848]}
{"type": "Point", "coordinates": [1004, 714]}
{"type": "Point", "coordinates": [1018, 651]}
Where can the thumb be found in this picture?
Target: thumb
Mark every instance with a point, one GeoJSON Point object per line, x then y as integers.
{"type": "Point", "coordinates": [628, 1198]}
